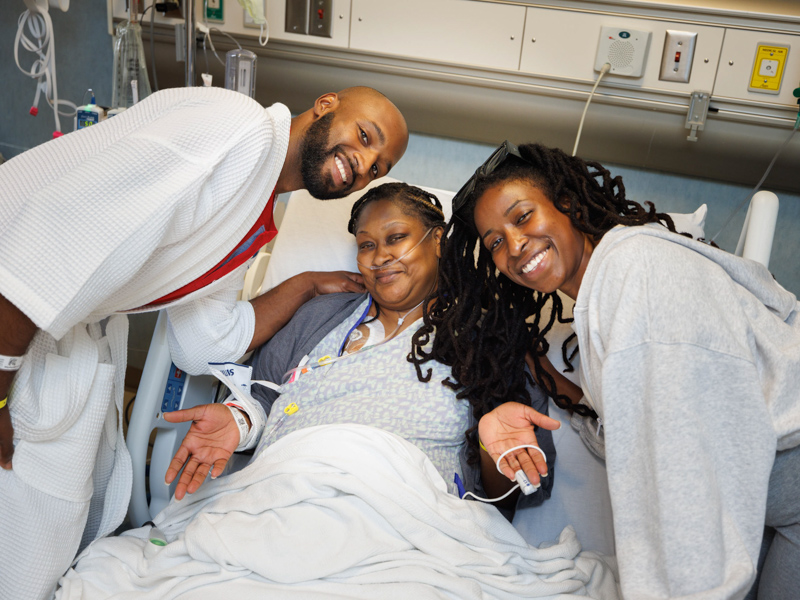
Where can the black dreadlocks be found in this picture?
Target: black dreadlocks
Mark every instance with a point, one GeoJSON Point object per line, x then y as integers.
{"type": "Point", "coordinates": [484, 322]}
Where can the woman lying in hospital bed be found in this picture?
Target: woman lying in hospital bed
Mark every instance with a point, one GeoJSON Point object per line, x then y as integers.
{"type": "Point", "coordinates": [689, 355]}
{"type": "Point", "coordinates": [351, 489]}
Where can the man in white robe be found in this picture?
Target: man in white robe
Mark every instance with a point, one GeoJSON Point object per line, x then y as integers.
{"type": "Point", "coordinates": [158, 207]}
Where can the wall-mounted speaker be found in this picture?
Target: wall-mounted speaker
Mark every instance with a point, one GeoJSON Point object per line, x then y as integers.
{"type": "Point", "coordinates": [624, 49]}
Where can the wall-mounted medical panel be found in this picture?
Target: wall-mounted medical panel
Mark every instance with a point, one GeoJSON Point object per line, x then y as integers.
{"type": "Point", "coordinates": [563, 44]}
{"type": "Point", "coordinates": [451, 31]}
{"type": "Point", "coordinates": [337, 19]}
{"type": "Point", "coordinates": [741, 61]}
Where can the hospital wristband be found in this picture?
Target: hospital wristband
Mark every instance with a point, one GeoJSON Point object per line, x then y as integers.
{"type": "Point", "coordinates": [10, 363]}
{"type": "Point", "coordinates": [3, 402]}
{"type": "Point", "coordinates": [254, 412]}
{"type": "Point", "coordinates": [241, 423]}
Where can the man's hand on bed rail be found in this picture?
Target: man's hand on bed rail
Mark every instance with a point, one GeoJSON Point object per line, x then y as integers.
{"type": "Point", "coordinates": [509, 425]}
{"type": "Point", "coordinates": [211, 440]}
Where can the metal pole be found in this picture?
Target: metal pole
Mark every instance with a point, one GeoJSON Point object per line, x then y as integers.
{"type": "Point", "coordinates": [188, 6]}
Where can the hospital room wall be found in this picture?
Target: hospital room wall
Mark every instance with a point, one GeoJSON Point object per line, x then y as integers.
{"type": "Point", "coordinates": [83, 51]}
{"type": "Point", "coordinates": [84, 60]}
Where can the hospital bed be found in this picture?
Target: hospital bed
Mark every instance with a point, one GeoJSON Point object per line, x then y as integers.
{"type": "Point", "coordinates": [313, 236]}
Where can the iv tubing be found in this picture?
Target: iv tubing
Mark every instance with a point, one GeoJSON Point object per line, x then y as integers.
{"type": "Point", "coordinates": [325, 361]}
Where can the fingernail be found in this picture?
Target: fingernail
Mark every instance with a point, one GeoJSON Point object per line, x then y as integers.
{"type": "Point", "coordinates": [543, 474]}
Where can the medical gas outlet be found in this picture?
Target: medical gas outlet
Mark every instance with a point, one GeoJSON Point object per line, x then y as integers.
{"type": "Point", "coordinates": [768, 68]}
{"type": "Point", "coordinates": [215, 11]}
{"type": "Point", "coordinates": [676, 61]}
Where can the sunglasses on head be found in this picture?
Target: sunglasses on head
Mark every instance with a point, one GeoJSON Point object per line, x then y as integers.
{"type": "Point", "coordinates": [497, 158]}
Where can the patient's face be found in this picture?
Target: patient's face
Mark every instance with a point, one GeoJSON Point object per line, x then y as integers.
{"type": "Point", "coordinates": [384, 233]}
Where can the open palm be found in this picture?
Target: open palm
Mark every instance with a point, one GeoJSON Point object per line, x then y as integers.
{"type": "Point", "coordinates": [509, 425]}
{"type": "Point", "coordinates": [210, 442]}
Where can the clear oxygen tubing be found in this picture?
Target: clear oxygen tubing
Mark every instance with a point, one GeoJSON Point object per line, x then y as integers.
{"type": "Point", "coordinates": [396, 260]}
{"type": "Point", "coordinates": [522, 480]}
{"type": "Point", "coordinates": [605, 69]}
{"type": "Point", "coordinates": [304, 367]}
{"type": "Point", "coordinates": [747, 198]}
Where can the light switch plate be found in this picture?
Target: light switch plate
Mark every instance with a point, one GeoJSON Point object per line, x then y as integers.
{"type": "Point", "coordinates": [320, 18]}
{"type": "Point", "coordinates": [676, 61]}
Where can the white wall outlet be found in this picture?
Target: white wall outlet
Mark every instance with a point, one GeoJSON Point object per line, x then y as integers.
{"type": "Point", "coordinates": [624, 49]}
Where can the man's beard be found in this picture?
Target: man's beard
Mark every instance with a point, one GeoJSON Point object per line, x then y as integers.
{"type": "Point", "coordinates": [314, 152]}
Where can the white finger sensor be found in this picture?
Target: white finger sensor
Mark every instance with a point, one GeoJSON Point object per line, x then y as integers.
{"type": "Point", "coordinates": [524, 483]}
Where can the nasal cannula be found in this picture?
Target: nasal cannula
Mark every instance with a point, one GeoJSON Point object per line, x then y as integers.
{"type": "Point", "coordinates": [396, 260]}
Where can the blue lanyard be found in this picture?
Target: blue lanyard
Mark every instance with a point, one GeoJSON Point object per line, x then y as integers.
{"type": "Point", "coordinates": [360, 320]}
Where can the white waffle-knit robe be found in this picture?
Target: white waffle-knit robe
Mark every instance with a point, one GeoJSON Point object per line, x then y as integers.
{"type": "Point", "coordinates": [100, 221]}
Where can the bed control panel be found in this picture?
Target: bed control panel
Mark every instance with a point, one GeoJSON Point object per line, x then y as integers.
{"type": "Point", "coordinates": [173, 391]}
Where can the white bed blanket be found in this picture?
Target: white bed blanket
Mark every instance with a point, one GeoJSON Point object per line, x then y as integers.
{"type": "Point", "coordinates": [339, 511]}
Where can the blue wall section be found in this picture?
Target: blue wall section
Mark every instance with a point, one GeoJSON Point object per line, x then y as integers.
{"type": "Point", "coordinates": [83, 52]}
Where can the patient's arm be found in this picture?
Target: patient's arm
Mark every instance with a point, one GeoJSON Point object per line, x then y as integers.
{"type": "Point", "coordinates": [208, 445]}
{"type": "Point", "coordinates": [274, 308]}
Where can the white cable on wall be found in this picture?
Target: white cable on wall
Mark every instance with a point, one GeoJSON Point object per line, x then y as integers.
{"type": "Point", "coordinates": [43, 69]}
{"type": "Point", "coordinates": [606, 68]}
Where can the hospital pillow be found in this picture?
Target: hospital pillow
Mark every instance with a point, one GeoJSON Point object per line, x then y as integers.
{"type": "Point", "coordinates": [313, 233]}
{"type": "Point", "coordinates": [692, 223]}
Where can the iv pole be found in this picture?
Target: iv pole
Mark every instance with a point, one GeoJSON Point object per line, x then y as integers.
{"type": "Point", "coordinates": [188, 7]}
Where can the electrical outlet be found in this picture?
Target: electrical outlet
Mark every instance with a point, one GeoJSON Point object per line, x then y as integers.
{"type": "Point", "coordinates": [676, 61]}
{"type": "Point", "coordinates": [624, 49]}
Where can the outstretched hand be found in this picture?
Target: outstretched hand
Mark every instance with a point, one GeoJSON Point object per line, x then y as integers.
{"type": "Point", "coordinates": [331, 282]}
{"type": "Point", "coordinates": [509, 425]}
{"type": "Point", "coordinates": [210, 442]}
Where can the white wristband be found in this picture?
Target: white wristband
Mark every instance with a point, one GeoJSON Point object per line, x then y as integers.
{"type": "Point", "coordinates": [10, 363]}
{"type": "Point", "coordinates": [241, 423]}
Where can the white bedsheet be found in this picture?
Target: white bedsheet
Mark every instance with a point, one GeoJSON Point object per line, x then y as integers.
{"type": "Point", "coordinates": [340, 511]}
